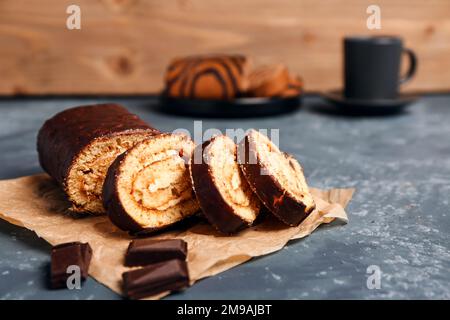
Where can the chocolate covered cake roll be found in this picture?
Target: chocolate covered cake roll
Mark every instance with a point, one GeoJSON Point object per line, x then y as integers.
{"type": "Point", "coordinates": [223, 193]}
{"type": "Point", "coordinates": [148, 187]}
{"type": "Point", "coordinates": [207, 77]}
{"type": "Point", "coordinates": [276, 177]}
{"type": "Point", "coordinates": [77, 146]}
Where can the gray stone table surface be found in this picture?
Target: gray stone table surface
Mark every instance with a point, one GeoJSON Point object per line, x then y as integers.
{"type": "Point", "coordinates": [399, 216]}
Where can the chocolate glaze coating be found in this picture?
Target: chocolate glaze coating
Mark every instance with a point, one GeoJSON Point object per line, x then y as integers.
{"type": "Point", "coordinates": [286, 208]}
{"type": "Point", "coordinates": [218, 212]}
{"type": "Point", "coordinates": [65, 135]}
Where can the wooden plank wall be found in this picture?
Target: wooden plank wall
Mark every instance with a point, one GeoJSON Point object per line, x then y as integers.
{"type": "Point", "coordinates": [124, 45]}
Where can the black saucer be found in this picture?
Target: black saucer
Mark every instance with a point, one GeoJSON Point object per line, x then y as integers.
{"type": "Point", "coordinates": [376, 106]}
{"type": "Point", "coordinates": [236, 108]}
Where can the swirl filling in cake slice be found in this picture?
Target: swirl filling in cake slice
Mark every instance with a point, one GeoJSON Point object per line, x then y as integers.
{"type": "Point", "coordinates": [276, 177]}
{"type": "Point", "coordinates": [148, 187]}
{"type": "Point", "coordinates": [222, 191]}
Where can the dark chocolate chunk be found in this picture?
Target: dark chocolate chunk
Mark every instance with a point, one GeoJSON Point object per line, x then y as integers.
{"type": "Point", "coordinates": [65, 255]}
{"type": "Point", "coordinates": [156, 278]}
{"type": "Point", "coordinates": [142, 252]}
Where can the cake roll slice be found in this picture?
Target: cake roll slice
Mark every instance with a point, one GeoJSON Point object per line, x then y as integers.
{"type": "Point", "coordinates": [268, 81]}
{"type": "Point", "coordinates": [276, 177]}
{"type": "Point", "coordinates": [222, 191]}
{"type": "Point", "coordinates": [148, 187]}
{"type": "Point", "coordinates": [77, 146]}
{"type": "Point", "coordinates": [207, 77]}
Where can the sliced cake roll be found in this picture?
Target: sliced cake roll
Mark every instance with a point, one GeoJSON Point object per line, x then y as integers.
{"type": "Point", "coordinates": [223, 193]}
{"type": "Point", "coordinates": [207, 77]}
{"type": "Point", "coordinates": [268, 81]}
{"type": "Point", "coordinates": [148, 187]}
{"type": "Point", "coordinates": [77, 146]}
{"type": "Point", "coordinates": [276, 177]}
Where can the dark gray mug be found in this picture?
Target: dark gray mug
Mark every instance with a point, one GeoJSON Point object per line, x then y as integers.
{"type": "Point", "coordinates": [372, 67]}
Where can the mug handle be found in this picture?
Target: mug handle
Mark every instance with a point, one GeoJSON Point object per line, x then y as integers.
{"type": "Point", "coordinates": [412, 65]}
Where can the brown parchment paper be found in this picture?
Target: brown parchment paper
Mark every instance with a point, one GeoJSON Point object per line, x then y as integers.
{"type": "Point", "coordinates": [36, 203]}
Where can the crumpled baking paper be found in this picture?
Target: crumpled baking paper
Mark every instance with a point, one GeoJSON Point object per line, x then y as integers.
{"type": "Point", "coordinates": [36, 203]}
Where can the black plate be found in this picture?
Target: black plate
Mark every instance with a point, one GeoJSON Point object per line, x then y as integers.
{"type": "Point", "coordinates": [379, 106]}
{"type": "Point", "coordinates": [237, 108]}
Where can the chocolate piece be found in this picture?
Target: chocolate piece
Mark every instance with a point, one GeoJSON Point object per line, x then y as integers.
{"type": "Point", "coordinates": [142, 252]}
{"type": "Point", "coordinates": [207, 77]}
{"type": "Point", "coordinates": [65, 255]}
{"type": "Point", "coordinates": [156, 278]}
{"type": "Point", "coordinates": [276, 177]}
{"type": "Point", "coordinates": [76, 147]}
{"type": "Point", "coordinates": [223, 193]}
{"type": "Point", "coordinates": [148, 187]}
